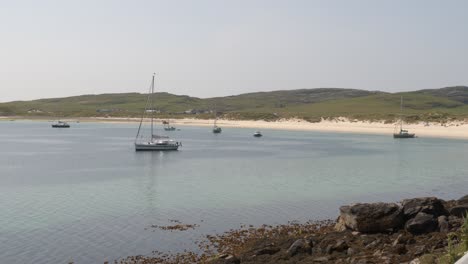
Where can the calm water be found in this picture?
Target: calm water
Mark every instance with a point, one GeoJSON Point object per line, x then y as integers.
{"type": "Point", "coordinates": [84, 194]}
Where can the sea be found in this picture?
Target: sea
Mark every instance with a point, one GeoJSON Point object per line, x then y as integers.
{"type": "Point", "coordinates": [83, 195]}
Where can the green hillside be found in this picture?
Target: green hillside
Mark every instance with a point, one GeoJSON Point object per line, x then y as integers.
{"type": "Point", "coordinates": [310, 104]}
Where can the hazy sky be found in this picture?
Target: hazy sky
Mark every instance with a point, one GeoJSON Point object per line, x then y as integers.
{"type": "Point", "coordinates": [210, 48]}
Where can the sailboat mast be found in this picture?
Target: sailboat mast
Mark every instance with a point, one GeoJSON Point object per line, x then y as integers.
{"type": "Point", "coordinates": [401, 113]}
{"type": "Point", "coordinates": [152, 105]}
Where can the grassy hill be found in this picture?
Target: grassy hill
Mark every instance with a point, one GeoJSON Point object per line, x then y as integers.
{"type": "Point", "coordinates": [310, 104]}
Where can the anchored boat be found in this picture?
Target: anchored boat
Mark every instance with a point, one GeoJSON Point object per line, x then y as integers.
{"type": "Point", "coordinates": [402, 133]}
{"type": "Point", "coordinates": [168, 127]}
{"type": "Point", "coordinates": [60, 124]}
{"type": "Point", "coordinates": [257, 134]}
{"type": "Point", "coordinates": [153, 142]}
{"type": "Point", "coordinates": [216, 128]}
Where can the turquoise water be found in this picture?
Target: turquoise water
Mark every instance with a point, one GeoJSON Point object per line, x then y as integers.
{"type": "Point", "coordinates": [84, 194]}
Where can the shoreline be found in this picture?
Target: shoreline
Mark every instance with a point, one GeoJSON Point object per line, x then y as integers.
{"type": "Point", "coordinates": [451, 130]}
{"type": "Point", "coordinates": [414, 230]}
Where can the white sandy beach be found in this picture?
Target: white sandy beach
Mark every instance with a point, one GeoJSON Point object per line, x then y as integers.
{"type": "Point", "coordinates": [457, 129]}
{"type": "Point", "coordinates": [450, 130]}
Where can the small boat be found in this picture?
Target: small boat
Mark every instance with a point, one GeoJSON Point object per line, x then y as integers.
{"type": "Point", "coordinates": [61, 124]}
{"type": "Point", "coordinates": [257, 134]}
{"type": "Point", "coordinates": [154, 142]}
{"type": "Point", "coordinates": [402, 133]}
{"type": "Point", "coordinates": [216, 129]}
{"type": "Point", "coordinates": [168, 127]}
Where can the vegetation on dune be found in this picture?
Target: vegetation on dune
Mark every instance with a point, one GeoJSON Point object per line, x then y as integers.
{"type": "Point", "coordinates": [438, 105]}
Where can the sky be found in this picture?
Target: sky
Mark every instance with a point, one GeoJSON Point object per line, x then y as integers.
{"type": "Point", "coordinates": [208, 48]}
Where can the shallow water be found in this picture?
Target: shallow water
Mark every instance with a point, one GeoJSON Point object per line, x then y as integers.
{"type": "Point", "coordinates": [84, 194]}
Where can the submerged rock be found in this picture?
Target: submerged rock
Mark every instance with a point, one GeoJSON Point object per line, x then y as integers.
{"type": "Point", "coordinates": [370, 217]}
{"type": "Point", "coordinates": [421, 224]}
{"type": "Point", "coordinates": [429, 205]}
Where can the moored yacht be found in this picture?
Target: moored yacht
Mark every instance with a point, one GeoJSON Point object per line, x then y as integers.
{"type": "Point", "coordinates": [154, 142]}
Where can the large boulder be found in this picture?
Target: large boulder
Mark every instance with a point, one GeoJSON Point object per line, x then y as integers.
{"type": "Point", "coordinates": [371, 217]}
{"type": "Point", "coordinates": [428, 205]}
{"type": "Point", "coordinates": [422, 223]}
{"type": "Point", "coordinates": [463, 200]}
{"type": "Point", "coordinates": [459, 210]}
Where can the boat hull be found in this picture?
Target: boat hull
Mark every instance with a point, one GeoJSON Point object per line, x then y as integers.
{"type": "Point", "coordinates": [404, 135]}
{"type": "Point", "coordinates": [155, 147]}
{"type": "Point", "coordinates": [217, 130]}
{"type": "Point", "coordinates": [61, 126]}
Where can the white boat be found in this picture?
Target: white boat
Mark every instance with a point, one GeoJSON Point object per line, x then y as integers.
{"type": "Point", "coordinates": [153, 142]}
{"type": "Point", "coordinates": [402, 133]}
{"type": "Point", "coordinates": [60, 124]}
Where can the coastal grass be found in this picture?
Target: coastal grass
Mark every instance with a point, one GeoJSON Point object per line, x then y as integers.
{"type": "Point", "coordinates": [455, 250]}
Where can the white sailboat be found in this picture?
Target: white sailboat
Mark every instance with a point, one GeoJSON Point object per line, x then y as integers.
{"type": "Point", "coordinates": [154, 142]}
{"type": "Point", "coordinates": [402, 133]}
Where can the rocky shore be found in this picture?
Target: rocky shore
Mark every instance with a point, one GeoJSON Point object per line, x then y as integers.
{"type": "Point", "coordinates": [420, 230]}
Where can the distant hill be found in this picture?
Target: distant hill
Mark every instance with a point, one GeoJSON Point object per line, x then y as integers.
{"type": "Point", "coordinates": [456, 93]}
{"type": "Point", "coordinates": [310, 104]}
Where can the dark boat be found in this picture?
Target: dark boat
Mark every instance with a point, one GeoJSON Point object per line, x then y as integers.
{"type": "Point", "coordinates": [216, 128]}
{"type": "Point", "coordinates": [404, 134]}
{"type": "Point", "coordinates": [257, 134]}
{"type": "Point", "coordinates": [168, 127]}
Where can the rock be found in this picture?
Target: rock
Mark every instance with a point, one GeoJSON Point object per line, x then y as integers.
{"type": "Point", "coordinates": [459, 210]}
{"type": "Point", "coordinates": [350, 251]}
{"type": "Point", "coordinates": [225, 259]}
{"type": "Point", "coordinates": [421, 224]}
{"type": "Point", "coordinates": [299, 246]}
{"type": "Point", "coordinates": [340, 246]}
{"type": "Point", "coordinates": [419, 250]}
{"type": "Point", "coordinates": [267, 251]}
{"type": "Point", "coordinates": [443, 224]}
{"type": "Point", "coordinates": [340, 225]}
{"type": "Point", "coordinates": [428, 205]}
{"type": "Point", "coordinates": [321, 259]}
{"type": "Point", "coordinates": [329, 249]}
{"type": "Point", "coordinates": [454, 222]}
{"type": "Point", "coordinates": [415, 261]}
{"type": "Point", "coordinates": [463, 200]}
{"type": "Point", "coordinates": [373, 244]}
{"type": "Point", "coordinates": [371, 217]}
{"type": "Point", "coordinates": [401, 239]}
{"type": "Point", "coordinates": [399, 249]}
